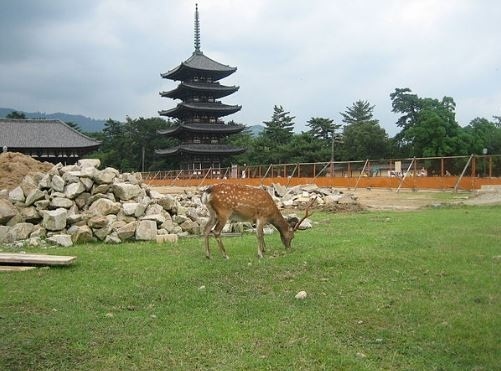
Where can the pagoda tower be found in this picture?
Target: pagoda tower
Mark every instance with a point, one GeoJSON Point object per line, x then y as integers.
{"type": "Point", "coordinates": [199, 126]}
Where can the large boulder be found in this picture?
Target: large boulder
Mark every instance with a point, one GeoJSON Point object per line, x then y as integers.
{"type": "Point", "coordinates": [91, 162]}
{"type": "Point", "coordinates": [7, 211]}
{"type": "Point", "coordinates": [72, 190]}
{"type": "Point", "coordinates": [63, 202]}
{"type": "Point", "coordinates": [127, 231]}
{"type": "Point", "coordinates": [4, 230]}
{"type": "Point", "coordinates": [146, 230]}
{"type": "Point", "coordinates": [80, 234]}
{"type": "Point", "coordinates": [105, 176]}
{"type": "Point", "coordinates": [54, 220]}
{"type": "Point", "coordinates": [126, 191]}
{"type": "Point", "coordinates": [103, 206]}
{"type": "Point", "coordinates": [20, 231]}
{"type": "Point", "coordinates": [57, 183]}
{"type": "Point", "coordinates": [17, 195]}
{"type": "Point", "coordinates": [60, 240]}
{"type": "Point", "coordinates": [33, 196]}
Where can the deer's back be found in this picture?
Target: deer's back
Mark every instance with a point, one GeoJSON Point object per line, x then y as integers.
{"type": "Point", "coordinates": [243, 201]}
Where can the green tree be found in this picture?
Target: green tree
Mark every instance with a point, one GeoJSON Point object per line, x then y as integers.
{"type": "Point", "coordinates": [279, 129]}
{"type": "Point", "coordinates": [305, 147]}
{"type": "Point", "coordinates": [429, 126]}
{"type": "Point", "coordinates": [484, 134]}
{"type": "Point", "coordinates": [322, 128]}
{"type": "Point", "coordinates": [360, 111]}
{"type": "Point", "coordinates": [130, 145]}
{"type": "Point", "coordinates": [73, 126]}
{"type": "Point", "coordinates": [271, 145]}
{"type": "Point", "coordinates": [245, 140]}
{"type": "Point", "coordinates": [144, 139]}
{"type": "Point", "coordinates": [363, 137]}
{"type": "Point", "coordinates": [16, 115]}
{"type": "Point", "coordinates": [113, 149]}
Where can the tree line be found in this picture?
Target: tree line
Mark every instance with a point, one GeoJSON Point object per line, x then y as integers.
{"type": "Point", "coordinates": [428, 128]}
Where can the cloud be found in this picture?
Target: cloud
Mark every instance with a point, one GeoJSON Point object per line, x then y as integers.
{"type": "Point", "coordinates": [104, 58]}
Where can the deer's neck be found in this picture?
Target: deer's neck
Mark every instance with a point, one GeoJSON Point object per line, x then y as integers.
{"type": "Point", "coordinates": [280, 223]}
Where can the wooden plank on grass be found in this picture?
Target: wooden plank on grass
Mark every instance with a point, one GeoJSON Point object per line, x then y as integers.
{"type": "Point", "coordinates": [36, 259]}
{"type": "Point", "coordinates": [15, 268]}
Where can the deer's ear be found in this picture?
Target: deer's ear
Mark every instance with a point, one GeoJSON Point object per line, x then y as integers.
{"type": "Point", "coordinates": [293, 222]}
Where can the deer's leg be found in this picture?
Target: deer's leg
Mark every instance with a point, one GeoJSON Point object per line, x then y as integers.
{"type": "Point", "coordinates": [261, 247]}
{"type": "Point", "coordinates": [221, 221]}
{"type": "Point", "coordinates": [207, 230]}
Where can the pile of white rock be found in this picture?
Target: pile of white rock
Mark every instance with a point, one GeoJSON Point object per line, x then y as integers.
{"type": "Point", "coordinates": [80, 203]}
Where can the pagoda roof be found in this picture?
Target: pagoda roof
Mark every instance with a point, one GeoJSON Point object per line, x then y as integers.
{"type": "Point", "coordinates": [185, 109]}
{"type": "Point", "coordinates": [20, 133]}
{"type": "Point", "coordinates": [199, 65]}
{"type": "Point", "coordinates": [185, 89]}
{"type": "Point", "coordinates": [200, 149]}
{"type": "Point", "coordinates": [203, 127]}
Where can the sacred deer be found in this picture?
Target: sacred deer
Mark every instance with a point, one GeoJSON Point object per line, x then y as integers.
{"type": "Point", "coordinates": [245, 203]}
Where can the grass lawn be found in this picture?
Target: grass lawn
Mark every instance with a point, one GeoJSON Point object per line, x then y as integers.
{"type": "Point", "coordinates": [386, 290]}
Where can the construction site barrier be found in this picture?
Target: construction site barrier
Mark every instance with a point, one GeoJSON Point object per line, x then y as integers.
{"type": "Point", "coordinates": [453, 172]}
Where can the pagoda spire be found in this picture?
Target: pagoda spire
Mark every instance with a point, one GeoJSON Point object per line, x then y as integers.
{"type": "Point", "coordinates": [197, 31]}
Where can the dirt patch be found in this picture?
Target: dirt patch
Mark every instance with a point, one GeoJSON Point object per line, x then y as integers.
{"type": "Point", "coordinates": [390, 199]}
{"type": "Point", "coordinates": [407, 199]}
{"type": "Point", "coordinates": [14, 166]}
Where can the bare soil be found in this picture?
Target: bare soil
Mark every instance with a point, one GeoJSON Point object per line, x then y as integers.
{"type": "Point", "coordinates": [14, 166]}
{"type": "Point", "coordinates": [390, 199]}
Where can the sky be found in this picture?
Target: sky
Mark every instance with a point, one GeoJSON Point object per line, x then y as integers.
{"type": "Point", "coordinates": [103, 58]}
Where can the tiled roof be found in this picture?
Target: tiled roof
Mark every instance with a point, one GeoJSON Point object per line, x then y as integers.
{"type": "Point", "coordinates": [15, 133]}
{"type": "Point", "coordinates": [199, 62]}
{"type": "Point", "coordinates": [185, 109]}
{"type": "Point", "coordinates": [202, 128]}
{"type": "Point", "coordinates": [185, 89]}
{"type": "Point", "coordinates": [201, 149]}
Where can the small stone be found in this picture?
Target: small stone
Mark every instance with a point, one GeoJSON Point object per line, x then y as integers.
{"type": "Point", "coordinates": [201, 288]}
{"type": "Point", "coordinates": [301, 295]}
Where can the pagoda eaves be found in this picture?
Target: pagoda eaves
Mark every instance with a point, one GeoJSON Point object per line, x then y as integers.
{"type": "Point", "coordinates": [188, 88]}
{"type": "Point", "coordinates": [186, 110]}
{"type": "Point", "coordinates": [201, 149]}
{"type": "Point", "coordinates": [202, 128]}
{"type": "Point", "coordinates": [199, 65]}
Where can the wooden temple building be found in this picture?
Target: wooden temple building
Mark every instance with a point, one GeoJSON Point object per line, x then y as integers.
{"type": "Point", "coordinates": [45, 140]}
{"type": "Point", "coordinates": [199, 128]}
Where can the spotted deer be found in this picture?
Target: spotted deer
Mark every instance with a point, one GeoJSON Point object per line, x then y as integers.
{"type": "Point", "coordinates": [249, 204]}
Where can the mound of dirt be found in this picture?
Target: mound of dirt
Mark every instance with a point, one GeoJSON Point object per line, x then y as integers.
{"type": "Point", "coordinates": [14, 166]}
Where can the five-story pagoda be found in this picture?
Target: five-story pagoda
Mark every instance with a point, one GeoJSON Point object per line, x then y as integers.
{"type": "Point", "coordinates": [199, 126]}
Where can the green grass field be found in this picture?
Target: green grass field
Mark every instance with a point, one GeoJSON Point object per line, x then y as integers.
{"type": "Point", "coordinates": [386, 290]}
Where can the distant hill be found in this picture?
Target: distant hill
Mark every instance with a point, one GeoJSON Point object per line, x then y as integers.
{"type": "Point", "coordinates": [255, 130]}
{"type": "Point", "coordinates": [86, 124]}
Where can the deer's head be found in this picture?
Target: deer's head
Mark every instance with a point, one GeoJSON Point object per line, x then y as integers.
{"type": "Point", "coordinates": [288, 235]}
